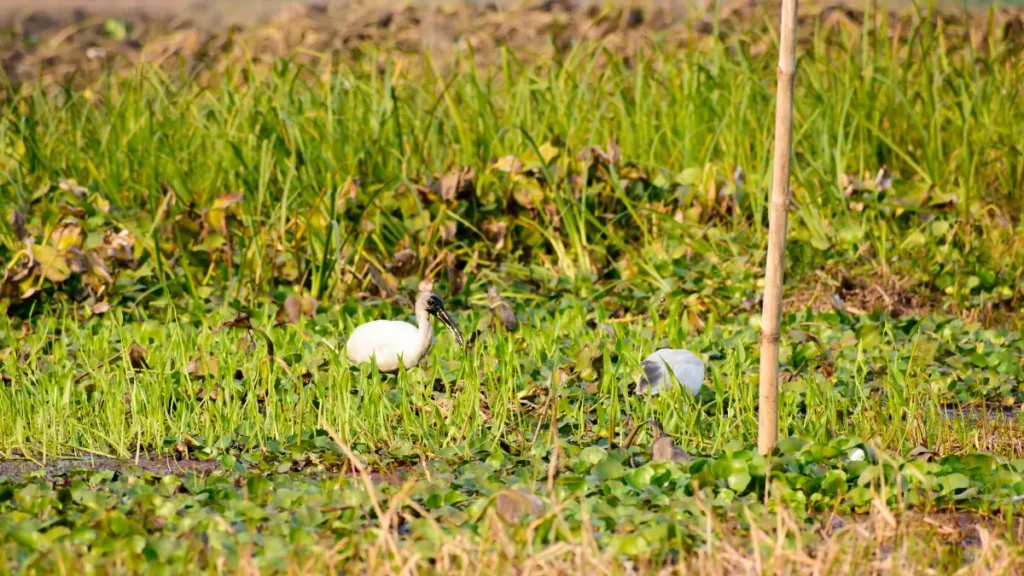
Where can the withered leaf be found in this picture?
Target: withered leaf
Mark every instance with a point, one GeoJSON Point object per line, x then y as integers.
{"type": "Point", "coordinates": [119, 247]}
{"type": "Point", "coordinates": [851, 185]}
{"type": "Point", "coordinates": [448, 230]}
{"type": "Point", "coordinates": [527, 193]}
{"type": "Point", "coordinates": [99, 268]}
{"type": "Point", "coordinates": [632, 173]}
{"type": "Point", "coordinates": [51, 264]}
{"type": "Point", "coordinates": [554, 217]}
{"type": "Point", "coordinates": [203, 366]}
{"type": "Point", "coordinates": [386, 282]}
{"type": "Point", "coordinates": [558, 378]}
{"type": "Point", "coordinates": [292, 309]}
{"type": "Point", "coordinates": [456, 183]}
{"type": "Point", "coordinates": [883, 180]}
{"type": "Point", "coordinates": [76, 211]}
{"type": "Point", "coordinates": [100, 308]}
{"type": "Point", "coordinates": [509, 164]}
{"type": "Point", "coordinates": [349, 191]}
{"type": "Point", "coordinates": [921, 453]}
{"type": "Point", "coordinates": [137, 356]}
{"type": "Point", "coordinates": [18, 225]}
{"type": "Point", "coordinates": [216, 216]}
{"type": "Point", "coordinates": [295, 307]}
{"type": "Point", "coordinates": [456, 278]}
{"type": "Point", "coordinates": [76, 260]}
{"type": "Point", "coordinates": [73, 187]}
{"type": "Point", "coordinates": [225, 200]}
{"type": "Point", "coordinates": [610, 157]}
{"type": "Point", "coordinates": [248, 344]}
{"type": "Point", "coordinates": [548, 152]}
{"type": "Point", "coordinates": [495, 231]}
{"type": "Point", "coordinates": [502, 310]}
{"type": "Point", "coordinates": [68, 235]}
{"type": "Point", "coordinates": [101, 203]}
{"type": "Point", "coordinates": [402, 259]}
{"type": "Point", "coordinates": [241, 321]}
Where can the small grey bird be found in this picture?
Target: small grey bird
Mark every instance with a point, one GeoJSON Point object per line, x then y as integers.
{"type": "Point", "coordinates": [687, 368]}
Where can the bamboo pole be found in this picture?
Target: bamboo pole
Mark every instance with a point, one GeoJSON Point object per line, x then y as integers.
{"type": "Point", "coordinates": [768, 406]}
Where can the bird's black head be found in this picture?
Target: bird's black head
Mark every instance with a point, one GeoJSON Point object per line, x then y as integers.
{"type": "Point", "coordinates": [434, 304]}
{"type": "Point", "coordinates": [434, 307]}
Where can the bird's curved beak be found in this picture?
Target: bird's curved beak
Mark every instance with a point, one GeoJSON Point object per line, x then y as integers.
{"type": "Point", "coordinates": [445, 319]}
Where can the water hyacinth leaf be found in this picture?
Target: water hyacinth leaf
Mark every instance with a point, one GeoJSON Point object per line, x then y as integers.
{"type": "Point", "coordinates": [725, 467]}
{"type": "Point", "coordinates": [609, 469]}
{"type": "Point", "coordinates": [591, 455]}
{"type": "Point", "coordinates": [953, 483]}
{"type": "Point", "coordinates": [859, 496]}
{"type": "Point", "coordinates": [630, 544]}
{"type": "Point", "coordinates": [738, 481]}
{"type": "Point", "coordinates": [791, 445]}
{"type": "Point", "coordinates": [641, 477]}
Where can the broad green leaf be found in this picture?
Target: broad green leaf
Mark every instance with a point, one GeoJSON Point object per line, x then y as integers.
{"type": "Point", "coordinates": [954, 482]}
{"type": "Point", "coordinates": [592, 455]}
{"type": "Point", "coordinates": [640, 477]}
{"type": "Point", "coordinates": [609, 469]}
{"type": "Point", "coordinates": [738, 481]}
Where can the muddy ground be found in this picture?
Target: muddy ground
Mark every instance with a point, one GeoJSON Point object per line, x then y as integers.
{"type": "Point", "coordinates": [216, 13]}
{"type": "Point", "coordinates": [160, 465]}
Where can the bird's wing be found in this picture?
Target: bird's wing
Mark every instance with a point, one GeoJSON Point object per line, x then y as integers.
{"type": "Point", "coordinates": [654, 372]}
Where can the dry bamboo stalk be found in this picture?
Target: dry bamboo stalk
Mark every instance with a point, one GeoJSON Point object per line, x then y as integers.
{"type": "Point", "coordinates": [768, 406]}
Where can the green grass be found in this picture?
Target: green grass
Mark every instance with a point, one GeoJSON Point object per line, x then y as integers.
{"type": "Point", "coordinates": [339, 165]}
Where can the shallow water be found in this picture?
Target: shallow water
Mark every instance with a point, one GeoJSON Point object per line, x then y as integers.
{"type": "Point", "coordinates": [20, 467]}
{"type": "Point", "coordinates": [983, 412]}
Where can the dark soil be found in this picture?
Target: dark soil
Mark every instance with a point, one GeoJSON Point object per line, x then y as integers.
{"type": "Point", "coordinates": [160, 465]}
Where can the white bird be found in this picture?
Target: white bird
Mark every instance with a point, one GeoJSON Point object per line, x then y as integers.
{"type": "Point", "coordinates": [391, 342]}
{"type": "Point", "coordinates": [685, 365]}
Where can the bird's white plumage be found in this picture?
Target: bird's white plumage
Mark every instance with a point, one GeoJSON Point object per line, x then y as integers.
{"type": "Point", "coordinates": [391, 341]}
{"type": "Point", "coordinates": [685, 365]}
